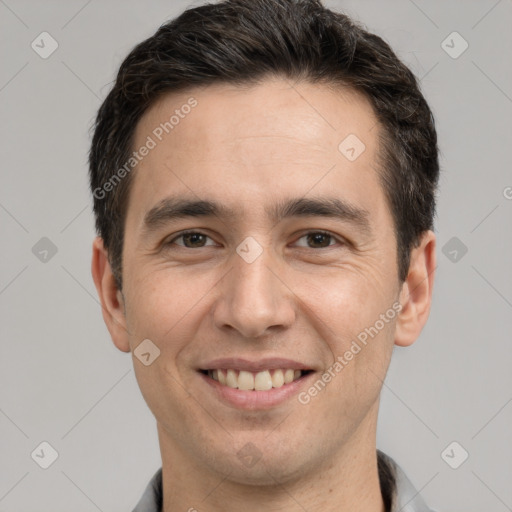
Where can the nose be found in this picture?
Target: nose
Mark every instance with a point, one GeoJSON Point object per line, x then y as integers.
{"type": "Point", "coordinates": [253, 298]}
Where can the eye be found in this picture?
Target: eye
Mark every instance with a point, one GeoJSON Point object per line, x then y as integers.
{"type": "Point", "coordinates": [196, 240]}
{"type": "Point", "coordinates": [318, 238]}
{"type": "Point", "coordinates": [192, 240]}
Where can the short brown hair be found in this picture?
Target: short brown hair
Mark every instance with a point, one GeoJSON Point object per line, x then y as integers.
{"type": "Point", "coordinates": [241, 42]}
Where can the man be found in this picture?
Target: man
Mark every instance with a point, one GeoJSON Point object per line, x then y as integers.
{"type": "Point", "coordinates": [264, 176]}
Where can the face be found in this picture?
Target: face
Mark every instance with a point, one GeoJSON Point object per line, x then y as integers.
{"type": "Point", "coordinates": [270, 281]}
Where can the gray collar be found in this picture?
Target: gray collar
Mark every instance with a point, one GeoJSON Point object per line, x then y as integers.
{"type": "Point", "coordinates": [401, 493]}
{"type": "Point", "coordinates": [397, 490]}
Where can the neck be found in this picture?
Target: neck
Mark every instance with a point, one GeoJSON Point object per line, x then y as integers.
{"type": "Point", "coordinates": [346, 480]}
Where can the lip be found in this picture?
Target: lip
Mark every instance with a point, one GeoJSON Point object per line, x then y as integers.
{"type": "Point", "coordinates": [269, 363]}
{"type": "Point", "coordinates": [256, 400]}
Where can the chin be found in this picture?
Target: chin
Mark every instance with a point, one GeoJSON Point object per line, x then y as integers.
{"type": "Point", "coordinates": [259, 462]}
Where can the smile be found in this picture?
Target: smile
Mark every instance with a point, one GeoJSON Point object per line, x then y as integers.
{"type": "Point", "coordinates": [256, 381]}
{"type": "Point", "coordinates": [255, 385]}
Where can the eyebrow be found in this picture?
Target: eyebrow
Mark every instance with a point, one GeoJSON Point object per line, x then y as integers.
{"type": "Point", "coordinates": [173, 208]}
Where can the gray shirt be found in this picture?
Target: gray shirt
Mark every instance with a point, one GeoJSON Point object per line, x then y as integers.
{"type": "Point", "coordinates": [398, 493]}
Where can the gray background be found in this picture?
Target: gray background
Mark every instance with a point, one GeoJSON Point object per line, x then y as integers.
{"type": "Point", "coordinates": [64, 382]}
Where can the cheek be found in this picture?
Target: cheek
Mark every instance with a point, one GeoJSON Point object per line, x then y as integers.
{"type": "Point", "coordinates": [165, 396]}
{"type": "Point", "coordinates": [160, 300]}
{"type": "Point", "coordinates": [347, 300]}
{"type": "Point", "coordinates": [347, 308]}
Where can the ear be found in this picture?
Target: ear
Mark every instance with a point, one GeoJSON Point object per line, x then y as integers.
{"type": "Point", "coordinates": [112, 302]}
{"type": "Point", "coordinates": [416, 294]}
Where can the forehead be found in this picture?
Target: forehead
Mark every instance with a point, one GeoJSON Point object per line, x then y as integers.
{"type": "Point", "coordinates": [246, 144]}
{"type": "Point", "coordinates": [276, 108]}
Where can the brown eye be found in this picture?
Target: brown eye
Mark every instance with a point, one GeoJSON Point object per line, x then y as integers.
{"type": "Point", "coordinates": [318, 240]}
{"type": "Point", "coordinates": [191, 240]}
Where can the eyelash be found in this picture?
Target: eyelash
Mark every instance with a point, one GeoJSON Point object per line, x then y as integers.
{"type": "Point", "coordinates": [316, 232]}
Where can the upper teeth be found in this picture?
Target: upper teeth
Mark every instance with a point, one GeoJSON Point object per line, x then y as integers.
{"type": "Point", "coordinates": [259, 381]}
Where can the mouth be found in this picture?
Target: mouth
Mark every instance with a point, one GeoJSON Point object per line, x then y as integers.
{"type": "Point", "coordinates": [254, 385]}
{"type": "Point", "coordinates": [264, 380]}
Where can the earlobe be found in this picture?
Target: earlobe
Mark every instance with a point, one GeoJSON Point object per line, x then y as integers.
{"type": "Point", "coordinates": [111, 298]}
{"type": "Point", "coordinates": [416, 294]}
